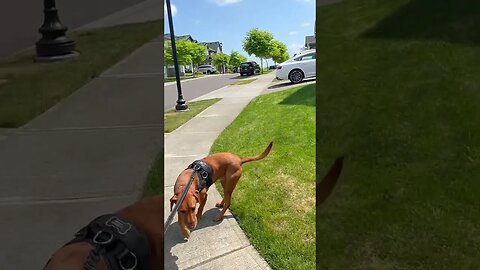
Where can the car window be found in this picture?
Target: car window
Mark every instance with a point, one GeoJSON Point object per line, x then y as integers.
{"type": "Point", "coordinates": [306, 57]}
{"type": "Point", "coordinates": [246, 64]}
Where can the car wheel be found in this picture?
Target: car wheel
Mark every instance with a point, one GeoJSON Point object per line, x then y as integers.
{"type": "Point", "coordinates": [296, 76]}
{"type": "Point", "coordinates": [208, 72]}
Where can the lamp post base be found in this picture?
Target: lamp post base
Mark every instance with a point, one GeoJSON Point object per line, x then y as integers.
{"type": "Point", "coordinates": [55, 58]}
{"type": "Point", "coordinates": [181, 105]}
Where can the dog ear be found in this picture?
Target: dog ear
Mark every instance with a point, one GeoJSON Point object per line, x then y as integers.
{"type": "Point", "coordinates": [173, 201]}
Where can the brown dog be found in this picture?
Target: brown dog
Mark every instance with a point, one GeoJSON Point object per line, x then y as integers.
{"type": "Point", "coordinates": [224, 166]}
{"type": "Point", "coordinates": [145, 215]}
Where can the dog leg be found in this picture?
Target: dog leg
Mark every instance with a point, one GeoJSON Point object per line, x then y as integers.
{"type": "Point", "coordinates": [183, 227]}
{"type": "Point", "coordinates": [203, 200]}
{"type": "Point", "coordinates": [221, 203]}
{"type": "Point", "coordinates": [226, 204]}
{"type": "Point", "coordinates": [230, 184]}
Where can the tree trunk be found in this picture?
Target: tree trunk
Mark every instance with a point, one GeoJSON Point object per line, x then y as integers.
{"type": "Point", "coordinates": [261, 65]}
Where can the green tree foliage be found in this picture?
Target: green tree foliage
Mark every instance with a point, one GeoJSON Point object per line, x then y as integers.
{"type": "Point", "coordinates": [258, 43]}
{"type": "Point", "coordinates": [236, 59]}
{"type": "Point", "coordinates": [220, 59]}
{"type": "Point", "coordinates": [279, 53]}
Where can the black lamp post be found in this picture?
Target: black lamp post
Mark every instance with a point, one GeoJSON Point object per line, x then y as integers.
{"type": "Point", "coordinates": [181, 104]}
{"type": "Point", "coordinates": [54, 44]}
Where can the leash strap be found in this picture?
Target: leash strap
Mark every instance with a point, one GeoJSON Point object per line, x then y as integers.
{"type": "Point", "coordinates": [177, 205]}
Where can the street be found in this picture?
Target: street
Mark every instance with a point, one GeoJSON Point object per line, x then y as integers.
{"type": "Point", "coordinates": [20, 19]}
{"type": "Point", "coordinates": [195, 88]}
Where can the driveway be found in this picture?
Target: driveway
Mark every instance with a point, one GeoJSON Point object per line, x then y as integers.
{"type": "Point", "coordinates": [194, 88]}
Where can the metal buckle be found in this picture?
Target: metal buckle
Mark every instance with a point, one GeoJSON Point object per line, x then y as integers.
{"type": "Point", "coordinates": [96, 239]}
{"type": "Point", "coordinates": [120, 260]}
{"type": "Point", "coordinates": [196, 167]}
{"type": "Point", "coordinates": [204, 175]}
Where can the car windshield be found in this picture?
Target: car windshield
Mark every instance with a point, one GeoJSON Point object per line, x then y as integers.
{"type": "Point", "coordinates": [246, 64]}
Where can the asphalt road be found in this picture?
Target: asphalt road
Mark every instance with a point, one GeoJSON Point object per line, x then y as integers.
{"type": "Point", "coordinates": [20, 19]}
{"type": "Point", "coordinates": [196, 88]}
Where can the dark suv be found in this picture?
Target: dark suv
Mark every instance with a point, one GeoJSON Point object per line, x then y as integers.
{"type": "Point", "coordinates": [249, 68]}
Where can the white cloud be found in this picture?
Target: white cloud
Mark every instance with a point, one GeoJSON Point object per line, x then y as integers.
{"type": "Point", "coordinates": [296, 46]}
{"type": "Point", "coordinates": [292, 33]}
{"type": "Point", "coordinates": [305, 24]}
{"type": "Point", "coordinates": [225, 2]}
{"type": "Point", "coordinates": [174, 9]}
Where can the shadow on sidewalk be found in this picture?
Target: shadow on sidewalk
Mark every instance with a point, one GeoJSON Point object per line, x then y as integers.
{"type": "Point", "coordinates": [173, 236]}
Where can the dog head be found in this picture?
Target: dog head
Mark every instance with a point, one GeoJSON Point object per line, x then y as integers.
{"type": "Point", "coordinates": [186, 211]}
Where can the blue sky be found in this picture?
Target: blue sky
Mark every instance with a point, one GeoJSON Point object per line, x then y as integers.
{"type": "Point", "coordinates": [228, 21]}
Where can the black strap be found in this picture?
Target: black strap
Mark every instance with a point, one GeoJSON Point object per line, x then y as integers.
{"type": "Point", "coordinates": [122, 246]}
{"type": "Point", "coordinates": [204, 173]}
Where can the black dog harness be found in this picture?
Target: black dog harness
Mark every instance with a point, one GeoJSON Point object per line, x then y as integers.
{"type": "Point", "coordinates": [204, 173]}
{"type": "Point", "coordinates": [122, 246]}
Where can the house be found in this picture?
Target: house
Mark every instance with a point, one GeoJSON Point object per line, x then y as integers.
{"type": "Point", "coordinates": [213, 48]}
{"type": "Point", "coordinates": [187, 37]}
{"type": "Point", "coordinates": [310, 42]}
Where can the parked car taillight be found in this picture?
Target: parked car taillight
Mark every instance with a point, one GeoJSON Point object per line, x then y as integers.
{"type": "Point", "coordinates": [279, 67]}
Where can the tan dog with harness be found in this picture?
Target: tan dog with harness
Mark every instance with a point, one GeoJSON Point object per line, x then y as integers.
{"type": "Point", "coordinates": [224, 166]}
{"type": "Point", "coordinates": [132, 238]}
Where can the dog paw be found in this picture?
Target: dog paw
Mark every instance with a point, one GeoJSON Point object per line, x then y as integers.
{"type": "Point", "coordinates": [185, 239]}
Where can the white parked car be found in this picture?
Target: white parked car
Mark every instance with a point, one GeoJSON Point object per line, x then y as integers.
{"type": "Point", "coordinates": [207, 69]}
{"type": "Point", "coordinates": [299, 67]}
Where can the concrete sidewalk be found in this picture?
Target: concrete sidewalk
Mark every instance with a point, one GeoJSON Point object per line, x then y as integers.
{"type": "Point", "coordinates": [86, 156]}
{"type": "Point", "coordinates": [212, 245]}
{"type": "Point", "coordinates": [149, 10]}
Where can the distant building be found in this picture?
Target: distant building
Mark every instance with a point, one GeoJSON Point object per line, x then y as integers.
{"type": "Point", "coordinates": [169, 71]}
{"type": "Point", "coordinates": [213, 48]}
{"type": "Point", "coordinates": [310, 42]}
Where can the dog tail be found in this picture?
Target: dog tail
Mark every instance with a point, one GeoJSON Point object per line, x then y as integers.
{"type": "Point", "coordinates": [261, 156]}
{"type": "Point", "coordinates": [325, 188]}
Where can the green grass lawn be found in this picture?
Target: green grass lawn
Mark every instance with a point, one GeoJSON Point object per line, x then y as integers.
{"type": "Point", "coordinates": [243, 82]}
{"type": "Point", "coordinates": [154, 183]}
{"type": "Point", "coordinates": [29, 89]}
{"type": "Point", "coordinates": [174, 119]}
{"type": "Point", "coordinates": [403, 105]}
{"type": "Point", "coordinates": [274, 201]}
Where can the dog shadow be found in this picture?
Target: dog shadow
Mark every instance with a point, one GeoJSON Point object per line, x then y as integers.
{"type": "Point", "coordinates": [173, 236]}
{"type": "Point", "coordinates": [208, 216]}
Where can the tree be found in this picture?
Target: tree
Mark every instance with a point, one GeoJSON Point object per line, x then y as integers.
{"type": "Point", "coordinates": [183, 52]}
{"type": "Point", "coordinates": [198, 53]}
{"type": "Point", "coordinates": [236, 59]}
{"type": "Point", "coordinates": [279, 53]}
{"type": "Point", "coordinates": [258, 43]}
{"type": "Point", "coordinates": [187, 53]}
{"type": "Point", "coordinates": [220, 59]}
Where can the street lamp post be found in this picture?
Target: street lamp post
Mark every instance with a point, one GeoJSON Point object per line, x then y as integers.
{"type": "Point", "coordinates": [54, 44]}
{"type": "Point", "coordinates": [181, 104]}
